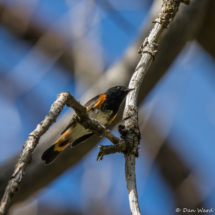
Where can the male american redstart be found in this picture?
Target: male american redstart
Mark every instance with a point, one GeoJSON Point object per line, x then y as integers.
{"type": "Point", "coordinates": [103, 108]}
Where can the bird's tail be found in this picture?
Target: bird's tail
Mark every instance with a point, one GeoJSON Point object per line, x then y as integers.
{"type": "Point", "coordinates": [52, 152]}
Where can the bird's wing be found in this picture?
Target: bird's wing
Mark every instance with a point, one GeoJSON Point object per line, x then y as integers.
{"type": "Point", "coordinates": [93, 103]}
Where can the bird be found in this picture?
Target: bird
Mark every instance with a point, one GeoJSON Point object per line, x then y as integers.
{"type": "Point", "coordinates": [103, 107]}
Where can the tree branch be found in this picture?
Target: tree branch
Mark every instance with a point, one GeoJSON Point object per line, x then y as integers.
{"type": "Point", "coordinates": [27, 152]}
{"type": "Point", "coordinates": [131, 134]}
{"type": "Point", "coordinates": [111, 149]}
{"type": "Point", "coordinates": [26, 155]}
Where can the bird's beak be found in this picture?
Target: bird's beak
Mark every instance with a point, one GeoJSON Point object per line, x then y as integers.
{"type": "Point", "coordinates": [129, 90]}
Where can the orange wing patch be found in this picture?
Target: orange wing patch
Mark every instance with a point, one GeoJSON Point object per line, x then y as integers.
{"type": "Point", "coordinates": [63, 141]}
{"type": "Point", "coordinates": [60, 146]}
{"type": "Point", "coordinates": [101, 100]}
{"type": "Point", "coordinates": [112, 119]}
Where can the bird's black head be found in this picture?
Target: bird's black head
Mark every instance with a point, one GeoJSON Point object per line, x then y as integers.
{"type": "Point", "coordinates": [115, 97]}
{"type": "Point", "coordinates": [118, 91]}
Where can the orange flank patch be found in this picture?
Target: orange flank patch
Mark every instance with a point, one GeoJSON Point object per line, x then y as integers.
{"type": "Point", "coordinates": [101, 100]}
{"type": "Point", "coordinates": [112, 119]}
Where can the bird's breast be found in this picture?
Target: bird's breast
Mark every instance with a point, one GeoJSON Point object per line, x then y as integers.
{"type": "Point", "coordinates": [101, 116]}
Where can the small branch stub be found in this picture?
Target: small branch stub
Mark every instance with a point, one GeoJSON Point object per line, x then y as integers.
{"type": "Point", "coordinates": [111, 149]}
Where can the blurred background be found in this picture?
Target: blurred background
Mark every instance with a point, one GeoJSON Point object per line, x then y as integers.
{"type": "Point", "coordinates": [85, 47]}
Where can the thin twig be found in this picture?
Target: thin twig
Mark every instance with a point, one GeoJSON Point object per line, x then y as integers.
{"type": "Point", "coordinates": [26, 155]}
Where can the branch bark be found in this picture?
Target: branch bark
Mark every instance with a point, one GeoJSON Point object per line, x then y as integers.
{"type": "Point", "coordinates": [111, 149]}
{"type": "Point", "coordinates": [131, 134]}
{"type": "Point", "coordinates": [33, 139]}
{"type": "Point", "coordinates": [130, 128]}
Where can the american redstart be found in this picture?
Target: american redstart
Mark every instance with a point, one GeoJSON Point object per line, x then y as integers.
{"type": "Point", "coordinates": [103, 108]}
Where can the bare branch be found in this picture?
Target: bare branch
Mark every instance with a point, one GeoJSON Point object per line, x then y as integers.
{"type": "Point", "coordinates": [112, 149]}
{"type": "Point", "coordinates": [130, 116]}
{"type": "Point", "coordinates": [26, 155]}
{"type": "Point", "coordinates": [27, 152]}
